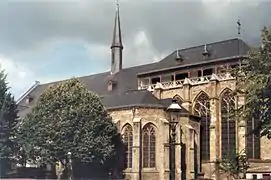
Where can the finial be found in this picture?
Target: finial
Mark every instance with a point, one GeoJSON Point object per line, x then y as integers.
{"type": "Point", "coordinates": [239, 26]}
{"type": "Point", "coordinates": [205, 52]}
{"type": "Point", "coordinates": [178, 56]}
{"type": "Point", "coordinates": [117, 4]}
{"type": "Point", "coordinates": [205, 48]}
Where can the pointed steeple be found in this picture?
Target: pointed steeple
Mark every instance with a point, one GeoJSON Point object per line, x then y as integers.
{"type": "Point", "coordinates": [116, 47]}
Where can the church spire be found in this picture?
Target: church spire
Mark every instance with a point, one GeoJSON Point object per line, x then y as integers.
{"type": "Point", "coordinates": [116, 47]}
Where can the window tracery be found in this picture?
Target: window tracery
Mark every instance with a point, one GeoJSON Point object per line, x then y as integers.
{"type": "Point", "coordinates": [202, 109]}
{"type": "Point", "coordinates": [228, 123]}
{"type": "Point", "coordinates": [149, 145]}
{"type": "Point", "coordinates": [128, 142]}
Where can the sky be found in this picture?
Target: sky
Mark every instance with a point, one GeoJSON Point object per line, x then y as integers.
{"type": "Point", "coordinates": [48, 40]}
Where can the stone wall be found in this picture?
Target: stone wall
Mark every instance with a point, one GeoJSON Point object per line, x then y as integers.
{"type": "Point", "coordinates": [214, 89]}
{"type": "Point", "coordinates": [138, 118]}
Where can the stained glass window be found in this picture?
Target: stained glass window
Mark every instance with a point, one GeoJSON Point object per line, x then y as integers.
{"type": "Point", "coordinates": [149, 144]}
{"type": "Point", "coordinates": [202, 109]}
{"type": "Point", "coordinates": [128, 142]}
{"type": "Point", "coordinates": [228, 123]}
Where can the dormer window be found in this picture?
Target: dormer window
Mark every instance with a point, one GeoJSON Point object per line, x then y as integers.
{"type": "Point", "coordinates": [111, 85]}
{"type": "Point", "coordinates": [29, 99]}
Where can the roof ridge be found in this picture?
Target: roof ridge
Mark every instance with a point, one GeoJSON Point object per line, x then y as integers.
{"type": "Point", "coordinates": [212, 43]}
{"type": "Point", "coordinates": [66, 79]}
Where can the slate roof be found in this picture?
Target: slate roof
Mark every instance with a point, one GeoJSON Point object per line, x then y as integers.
{"type": "Point", "coordinates": [127, 78]}
{"type": "Point", "coordinates": [219, 51]}
{"type": "Point", "coordinates": [140, 98]}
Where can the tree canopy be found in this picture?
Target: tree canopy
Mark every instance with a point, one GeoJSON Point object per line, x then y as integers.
{"type": "Point", "coordinates": [69, 118]}
{"type": "Point", "coordinates": [8, 122]}
{"type": "Point", "coordinates": [254, 81]}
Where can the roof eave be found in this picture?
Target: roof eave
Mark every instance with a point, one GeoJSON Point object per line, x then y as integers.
{"type": "Point", "coordinates": [136, 106]}
{"type": "Point", "coordinates": [27, 92]}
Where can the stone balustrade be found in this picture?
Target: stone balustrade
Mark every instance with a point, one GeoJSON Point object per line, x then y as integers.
{"type": "Point", "coordinates": [192, 81]}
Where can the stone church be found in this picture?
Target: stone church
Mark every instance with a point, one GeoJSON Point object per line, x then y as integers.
{"type": "Point", "coordinates": [198, 78]}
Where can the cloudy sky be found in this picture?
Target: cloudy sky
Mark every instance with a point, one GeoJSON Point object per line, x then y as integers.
{"type": "Point", "coordinates": [48, 40]}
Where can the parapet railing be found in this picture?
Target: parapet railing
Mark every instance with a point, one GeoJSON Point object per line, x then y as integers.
{"type": "Point", "coordinates": [187, 81]}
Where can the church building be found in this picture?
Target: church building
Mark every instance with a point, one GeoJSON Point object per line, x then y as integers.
{"type": "Point", "coordinates": [199, 80]}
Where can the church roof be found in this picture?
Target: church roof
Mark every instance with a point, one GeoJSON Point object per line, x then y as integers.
{"type": "Point", "coordinates": [192, 56]}
{"type": "Point", "coordinates": [126, 79]}
{"type": "Point", "coordinates": [135, 98]}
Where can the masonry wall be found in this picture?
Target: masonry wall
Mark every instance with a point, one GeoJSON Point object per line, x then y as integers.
{"type": "Point", "coordinates": [138, 118]}
{"type": "Point", "coordinates": [214, 90]}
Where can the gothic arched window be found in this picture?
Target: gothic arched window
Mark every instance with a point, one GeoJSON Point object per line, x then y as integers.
{"type": "Point", "coordinates": [228, 124]}
{"type": "Point", "coordinates": [149, 144]}
{"type": "Point", "coordinates": [202, 109]}
{"type": "Point", "coordinates": [128, 142]}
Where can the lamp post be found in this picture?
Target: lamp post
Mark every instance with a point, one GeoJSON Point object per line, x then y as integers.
{"type": "Point", "coordinates": [70, 165]}
{"type": "Point", "coordinates": [173, 111]}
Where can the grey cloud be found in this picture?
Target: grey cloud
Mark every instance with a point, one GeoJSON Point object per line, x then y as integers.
{"type": "Point", "coordinates": [168, 25]}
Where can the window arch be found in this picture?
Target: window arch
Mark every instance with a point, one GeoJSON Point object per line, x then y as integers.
{"type": "Point", "coordinates": [128, 142]}
{"type": "Point", "coordinates": [202, 109]}
{"type": "Point", "coordinates": [149, 145]}
{"type": "Point", "coordinates": [228, 123]}
{"type": "Point", "coordinates": [178, 99]}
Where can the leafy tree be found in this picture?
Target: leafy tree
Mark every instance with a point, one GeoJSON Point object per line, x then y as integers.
{"type": "Point", "coordinates": [233, 165]}
{"type": "Point", "coordinates": [8, 122]}
{"type": "Point", "coordinates": [69, 118]}
{"type": "Point", "coordinates": [254, 82]}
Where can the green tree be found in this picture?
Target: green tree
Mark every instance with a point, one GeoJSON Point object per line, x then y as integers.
{"type": "Point", "coordinates": [8, 122]}
{"type": "Point", "coordinates": [254, 82]}
{"type": "Point", "coordinates": [69, 118]}
{"type": "Point", "coordinates": [234, 165]}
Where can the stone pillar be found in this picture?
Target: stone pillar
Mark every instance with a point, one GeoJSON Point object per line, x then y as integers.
{"type": "Point", "coordinates": [214, 124]}
{"type": "Point", "coordinates": [166, 150]}
{"type": "Point", "coordinates": [158, 90]}
{"type": "Point", "coordinates": [241, 132]}
{"type": "Point", "coordinates": [191, 152]}
{"type": "Point", "coordinates": [186, 95]}
{"type": "Point", "coordinates": [178, 158]}
{"type": "Point", "coordinates": [136, 166]}
{"type": "Point", "coordinates": [197, 149]}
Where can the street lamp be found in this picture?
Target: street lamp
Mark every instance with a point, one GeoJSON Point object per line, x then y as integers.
{"type": "Point", "coordinates": [70, 165]}
{"type": "Point", "coordinates": [173, 110]}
